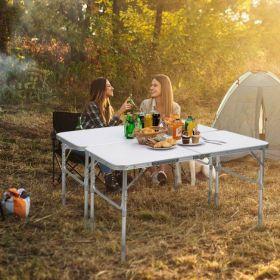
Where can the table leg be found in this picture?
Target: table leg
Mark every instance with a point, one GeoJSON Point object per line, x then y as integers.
{"type": "Point", "coordinates": [210, 180]}
{"type": "Point", "coordinates": [92, 190]}
{"type": "Point", "coordinates": [86, 186]}
{"type": "Point", "coordinates": [261, 183]}
{"type": "Point", "coordinates": [63, 174]}
{"type": "Point", "coordinates": [178, 177]}
{"type": "Point", "coordinates": [124, 213]}
{"type": "Point", "coordinates": [217, 169]}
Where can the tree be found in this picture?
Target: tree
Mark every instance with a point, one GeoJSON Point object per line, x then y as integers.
{"type": "Point", "coordinates": [5, 31]}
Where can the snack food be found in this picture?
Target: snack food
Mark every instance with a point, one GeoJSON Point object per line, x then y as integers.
{"type": "Point", "coordinates": [171, 141]}
{"type": "Point", "coordinates": [165, 144]}
{"type": "Point", "coordinates": [186, 139]}
{"type": "Point", "coordinates": [148, 130]}
{"type": "Point", "coordinates": [195, 139]}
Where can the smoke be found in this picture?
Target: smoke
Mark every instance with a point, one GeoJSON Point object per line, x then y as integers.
{"type": "Point", "coordinates": [11, 71]}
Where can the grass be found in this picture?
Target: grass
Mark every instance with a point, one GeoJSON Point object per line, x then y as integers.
{"type": "Point", "coordinates": [170, 235]}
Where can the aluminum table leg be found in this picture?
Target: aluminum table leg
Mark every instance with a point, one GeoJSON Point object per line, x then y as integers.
{"type": "Point", "coordinates": [261, 183]}
{"type": "Point", "coordinates": [63, 174]}
{"type": "Point", "coordinates": [86, 186]}
{"type": "Point", "coordinates": [217, 169]}
{"type": "Point", "coordinates": [210, 180]}
{"type": "Point", "coordinates": [92, 190]}
{"type": "Point", "coordinates": [124, 213]}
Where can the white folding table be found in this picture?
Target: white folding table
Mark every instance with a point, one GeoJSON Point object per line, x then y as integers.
{"type": "Point", "coordinates": [128, 154]}
{"type": "Point", "coordinates": [79, 140]}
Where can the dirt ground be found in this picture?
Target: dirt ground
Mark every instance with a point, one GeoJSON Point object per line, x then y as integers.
{"type": "Point", "coordinates": [170, 234]}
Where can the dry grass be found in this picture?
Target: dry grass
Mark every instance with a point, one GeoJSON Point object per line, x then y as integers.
{"type": "Point", "coordinates": [170, 235]}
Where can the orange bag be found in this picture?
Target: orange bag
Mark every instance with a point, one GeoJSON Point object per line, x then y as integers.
{"type": "Point", "coordinates": [16, 202]}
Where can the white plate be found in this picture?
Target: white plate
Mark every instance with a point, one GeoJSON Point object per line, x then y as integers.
{"type": "Point", "coordinates": [168, 148]}
{"type": "Point", "coordinates": [191, 144]}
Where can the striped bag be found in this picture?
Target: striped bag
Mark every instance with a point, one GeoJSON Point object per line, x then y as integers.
{"type": "Point", "coordinates": [16, 202]}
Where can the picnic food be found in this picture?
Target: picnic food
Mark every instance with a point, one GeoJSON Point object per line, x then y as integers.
{"type": "Point", "coordinates": [151, 132]}
{"type": "Point", "coordinates": [171, 141]}
{"type": "Point", "coordinates": [186, 139]}
{"type": "Point", "coordinates": [195, 139]}
{"type": "Point", "coordinates": [148, 130]}
{"type": "Point", "coordinates": [165, 144]}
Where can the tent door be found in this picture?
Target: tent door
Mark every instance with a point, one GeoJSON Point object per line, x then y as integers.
{"type": "Point", "coordinates": [262, 122]}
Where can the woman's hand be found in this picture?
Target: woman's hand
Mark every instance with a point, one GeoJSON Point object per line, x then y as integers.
{"type": "Point", "coordinates": [125, 107]}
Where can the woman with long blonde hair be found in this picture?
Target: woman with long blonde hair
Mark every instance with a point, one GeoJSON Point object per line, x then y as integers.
{"type": "Point", "coordinates": [161, 101]}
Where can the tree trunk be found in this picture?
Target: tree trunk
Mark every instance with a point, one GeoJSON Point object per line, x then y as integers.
{"type": "Point", "coordinates": [4, 27]}
{"type": "Point", "coordinates": [158, 22]}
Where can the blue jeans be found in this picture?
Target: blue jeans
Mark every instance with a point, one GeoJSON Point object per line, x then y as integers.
{"type": "Point", "coordinates": [104, 169]}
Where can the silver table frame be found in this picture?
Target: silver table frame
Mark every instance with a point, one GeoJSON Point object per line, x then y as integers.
{"type": "Point", "coordinates": [214, 162]}
{"type": "Point", "coordinates": [216, 156]}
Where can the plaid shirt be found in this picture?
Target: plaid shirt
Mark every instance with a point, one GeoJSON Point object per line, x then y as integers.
{"type": "Point", "coordinates": [91, 117]}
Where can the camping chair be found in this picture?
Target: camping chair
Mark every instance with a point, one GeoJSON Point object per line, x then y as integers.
{"type": "Point", "coordinates": [62, 122]}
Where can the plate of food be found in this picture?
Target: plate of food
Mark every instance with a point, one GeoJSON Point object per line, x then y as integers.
{"type": "Point", "coordinates": [166, 144]}
{"type": "Point", "coordinates": [163, 148]}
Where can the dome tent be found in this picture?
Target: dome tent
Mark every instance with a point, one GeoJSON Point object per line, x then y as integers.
{"type": "Point", "coordinates": [251, 107]}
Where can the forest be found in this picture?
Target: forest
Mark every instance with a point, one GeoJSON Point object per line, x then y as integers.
{"type": "Point", "coordinates": [52, 50]}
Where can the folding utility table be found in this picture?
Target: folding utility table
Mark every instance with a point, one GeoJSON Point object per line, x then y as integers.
{"type": "Point", "coordinates": [127, 155]}
{"type": "Point", "coordinates": [79, 140]}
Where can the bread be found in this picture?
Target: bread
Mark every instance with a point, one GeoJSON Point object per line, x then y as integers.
{"type": "Point", "coordinates": [148, 130]}
{"type": "Point", "coordinates": [172, 141]}
{"type": "Point", "coordinates": [158, 145]}
{"type": "Point", "coordinates": [166, 144]}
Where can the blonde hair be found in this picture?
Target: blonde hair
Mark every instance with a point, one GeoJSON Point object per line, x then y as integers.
{"type": "Point", "coordinates": [97, 94]}
{"type": "Point", "coordinates": [166, 93]}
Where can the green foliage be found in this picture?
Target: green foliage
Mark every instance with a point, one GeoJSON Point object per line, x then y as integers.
{"type": "Point", "coordinates": [203, 45]}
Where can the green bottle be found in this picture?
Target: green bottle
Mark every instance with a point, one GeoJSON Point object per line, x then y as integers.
{"type": "Point", "coordinates": [131, 101]}
{"type": "Point", "coordinates": [138, 123]}
{"type": "Point", "coordinates": [79, 124]}
{"type": "Point", "coordinates": [130, 126]}
{"type": "Point", "coordinates": [187, 121]}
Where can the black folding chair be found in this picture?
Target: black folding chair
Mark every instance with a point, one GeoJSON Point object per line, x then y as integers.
{"type": "Point", "coordinates": [62, 122]}
{"type": "Point", "coordinates": [65, 121]}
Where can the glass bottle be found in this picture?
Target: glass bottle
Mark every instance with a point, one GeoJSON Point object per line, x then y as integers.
{"type": "Point", "coordinates": [138, 123]}
{"type": "Point", "coordinates": [79, 124]}
{"type": "Point", "coordinates": [191, 126]}
{"type": "Point", "coordinates": [177, 129]}
{"type": "Point", "coordinates": [131, 101]}
{"type": "Point", "coordinates": [187, 121]}
{"type": "Point", "coordinates": [130, 126]}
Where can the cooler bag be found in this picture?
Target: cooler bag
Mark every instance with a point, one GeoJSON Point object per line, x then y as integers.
{"type": "Point", "coordinates": [16, 202]}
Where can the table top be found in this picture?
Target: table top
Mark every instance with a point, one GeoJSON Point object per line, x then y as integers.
{"type": "Point", "coordinates": [129, 154]}
{"type": "Point", "coordinates": [80, 139]}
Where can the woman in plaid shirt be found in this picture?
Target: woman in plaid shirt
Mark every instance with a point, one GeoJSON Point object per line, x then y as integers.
{"type": "Point", "coordinates": [99, 113]}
